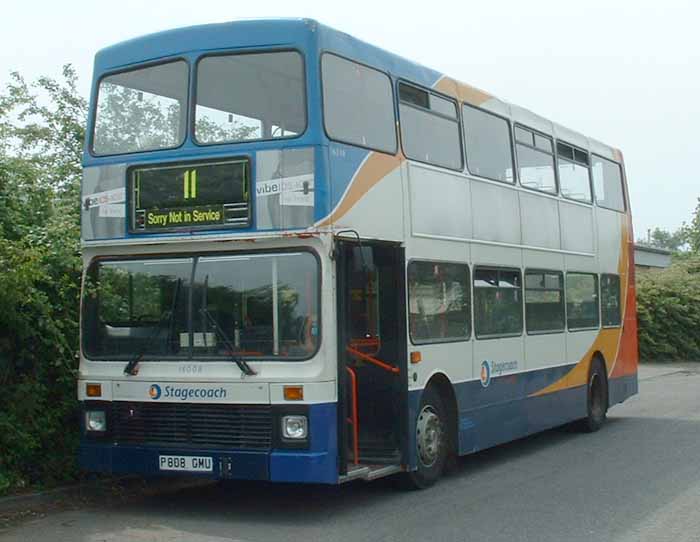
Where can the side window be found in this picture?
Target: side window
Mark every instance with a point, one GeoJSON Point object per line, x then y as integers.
{"type": "Point", "coordinates": [535, 154]}
{"type": "Point", "coordinates": [429, 128]}
{"type": "Point", "coordinates": [581, 300]}
{"type": "Point", "coordinates": [438, 301]}
{"type": "Point", "coordinates": [358, 105]}
{"type": "Point", "coordinates": [498, 305]}
{"type": "Point", "coordinates": [610, 300]}
{"type": "Point", "coordinates": [574, 177]}
{"type": "Point", "coordinates": [544, 301]}
{"type": "Point", "coordinates": [607, 182]}
{"type": "Point", "coordinates": [489, 152]}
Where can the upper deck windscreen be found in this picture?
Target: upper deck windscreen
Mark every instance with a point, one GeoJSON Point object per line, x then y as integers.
{"type": "Point", "coordinates": [142, 110]}
{"type": "Point", "coordinates": [245, 97]}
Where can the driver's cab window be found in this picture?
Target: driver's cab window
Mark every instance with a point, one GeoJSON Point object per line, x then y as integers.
{"type": "Point", "coordinates": [132, 297]}
{"type": "Point", "coordinates": [141, 306]}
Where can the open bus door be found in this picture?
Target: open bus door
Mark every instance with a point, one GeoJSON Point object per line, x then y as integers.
{"type": "Point", "coordinates": [371, 358]}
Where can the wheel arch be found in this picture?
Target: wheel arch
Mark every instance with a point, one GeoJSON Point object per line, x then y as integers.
{"type": "Point", "coordinates": [445, 388]}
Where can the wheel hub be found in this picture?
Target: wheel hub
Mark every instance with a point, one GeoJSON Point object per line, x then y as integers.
{"type": "Point", "coordinates": [428, 436]}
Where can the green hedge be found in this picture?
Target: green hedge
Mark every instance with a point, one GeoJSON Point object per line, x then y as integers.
{"type": "Point", "coordinates": [668, 309]}
{"type": "Point", "coordinates": [41, 139]}
{"type": "Point", "coordinates": [41, 143]}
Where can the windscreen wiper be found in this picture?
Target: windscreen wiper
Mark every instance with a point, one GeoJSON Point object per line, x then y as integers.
{"type": "Point", "coordinates": [131, 367]}
{"type": "Point", "coordinates": [242, 365]}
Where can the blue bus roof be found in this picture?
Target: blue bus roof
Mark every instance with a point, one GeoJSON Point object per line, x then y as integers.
{"type": "Point", "coordinates": [305, 34]}
{"type": "Point", "coordinates": [206, 37]}
{"type": "Point", "coordinates": [254, 33]}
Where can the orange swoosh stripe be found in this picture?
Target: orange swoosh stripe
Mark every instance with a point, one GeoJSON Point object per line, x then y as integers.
{"type": "Point", "coordinates": [608, 341]}
{"type": "Point", "coordinates": [378, 165]}
{"type": "Point", "coordinates": [462, 91]}
{"type": "Point", "coordinates": [374, 169]}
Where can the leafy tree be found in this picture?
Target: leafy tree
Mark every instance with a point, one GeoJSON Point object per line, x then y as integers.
{"type": "Point", "coordinates": [691, 232]}
{"type": "Point", "coordinates": [41, 144]}
{"type": "Point", "coordinates": [659, 238]}
{"type": "Point", "coordinates": [41, 140]}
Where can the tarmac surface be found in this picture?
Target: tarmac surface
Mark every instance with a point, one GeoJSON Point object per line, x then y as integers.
{"type": "Point", "coordinates": [637, 479]}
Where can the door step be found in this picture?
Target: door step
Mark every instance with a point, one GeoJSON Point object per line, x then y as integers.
{"type": "Point", "coordinates": [378, 452]}
{"type": "Point", "coordinates": [369, 472]}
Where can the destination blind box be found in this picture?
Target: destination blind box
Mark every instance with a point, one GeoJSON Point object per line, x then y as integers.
{"type": "Point", "coordinates": [209, 195]}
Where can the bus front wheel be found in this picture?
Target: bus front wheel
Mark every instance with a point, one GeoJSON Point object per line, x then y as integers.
{"type": "Point", "coordinates": [432, 441]}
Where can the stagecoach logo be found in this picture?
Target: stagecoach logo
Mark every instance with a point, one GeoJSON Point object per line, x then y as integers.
{"type": "Point", "coordinates": [485, 374]}
{"type": "Point", "coordinates": [186, 393]}
{"type": "Point", "coordinates": [154, 391]}
{"type": "Point", "coordinates": [491, 369]}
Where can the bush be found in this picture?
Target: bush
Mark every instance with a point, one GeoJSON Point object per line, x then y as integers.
{"type": "Point", "coordinates": [668, 309]}
{"type": "Point", "coordinates": [41, 139]}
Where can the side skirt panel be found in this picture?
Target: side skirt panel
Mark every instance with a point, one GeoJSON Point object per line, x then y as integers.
{"type": "Point", "coordinates": [508, 409]}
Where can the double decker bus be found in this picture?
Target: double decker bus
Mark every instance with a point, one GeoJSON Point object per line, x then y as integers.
{"type": "Point", "coordinates": [307, 259]}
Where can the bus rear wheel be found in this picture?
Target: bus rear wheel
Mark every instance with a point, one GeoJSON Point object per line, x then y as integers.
{"type": "Point", "coordinates": [432, 441]}
{"type": "Point", "coordinates": [597, 398]}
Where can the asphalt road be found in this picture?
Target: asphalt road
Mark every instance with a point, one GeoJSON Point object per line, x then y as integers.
{"type": "Point", "coordinates": [636, 479]}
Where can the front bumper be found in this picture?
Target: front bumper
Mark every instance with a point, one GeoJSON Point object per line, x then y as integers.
{"type": "Point", "coordinates": [317, 464]}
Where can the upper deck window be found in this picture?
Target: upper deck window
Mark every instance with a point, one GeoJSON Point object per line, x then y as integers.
{"type": "Point", "coordinates": [358, 104]}
{"type": "Point", "coordinates": [535, 160]}
{"type": "Point", "coordinates": [607, 181]}
{"type": "Point", "coordinates": [250, 96]}
{"type": "Point", "coordinates": [489, 152]}
{"type": "Point", "coordinates": [429, 128]}
{"type": "Point", "coordinates": [574, 173]}
{"type": "Point", "coordinates": [142, 110]}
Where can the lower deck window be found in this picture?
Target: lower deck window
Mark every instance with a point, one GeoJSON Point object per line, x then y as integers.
{"type": "Point", "coordinates": [498, 305]}
{"type": "Point", "coordinates": [582, 300]}
{"type": "Point", "coordinates": [249, 305]}
{"type": "Point", "coordinates": [438, 300]}
{"type": "Point", "coordinates": [544, 301]}
{"type": "Point", "coordinates": [610, 300]}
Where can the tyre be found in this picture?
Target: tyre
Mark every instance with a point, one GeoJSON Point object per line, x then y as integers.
{"type": "Point", "coordinates": [596, 398]}
{"type": "Point", "coordinates": [432, 441]}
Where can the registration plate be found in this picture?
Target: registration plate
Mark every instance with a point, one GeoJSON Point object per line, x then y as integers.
{"type": "Point", "coordinates": [186, 463]}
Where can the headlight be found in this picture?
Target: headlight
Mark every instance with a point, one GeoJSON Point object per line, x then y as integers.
{"type": "Point", "coordinates": [96, 421]}
{"type": "Point", "coordinates": [295, 427]}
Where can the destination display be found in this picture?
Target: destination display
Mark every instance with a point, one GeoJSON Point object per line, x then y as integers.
{"type": "Point", "coordinates": [190, 196]}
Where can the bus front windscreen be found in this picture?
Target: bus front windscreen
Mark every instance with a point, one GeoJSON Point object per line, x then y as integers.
{"type": "Point", "coordinates": [143, 109]}
{"type": "Point", "coordinates": [261, 305]}
{"type": "Point", "coordinates": [244, 97]}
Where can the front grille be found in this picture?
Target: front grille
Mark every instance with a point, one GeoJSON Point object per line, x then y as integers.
{"type": "Point", "coordinates": [194, 425]}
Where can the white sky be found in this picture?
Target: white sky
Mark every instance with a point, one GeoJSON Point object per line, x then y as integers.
{"type": "Point", "coordinates": [625, 72]}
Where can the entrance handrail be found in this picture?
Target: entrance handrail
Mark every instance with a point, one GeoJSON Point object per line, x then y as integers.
{"type": "Point", "coordinates": [366, 357]}
{"type": "Point", "coordinates": [354, 418]}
